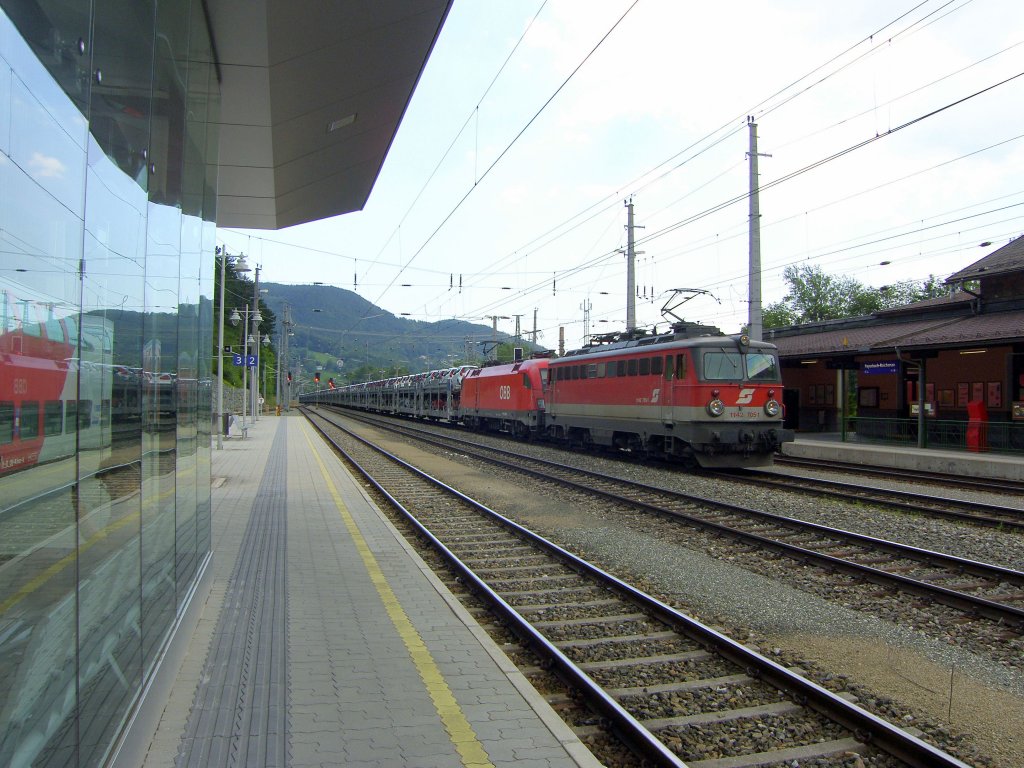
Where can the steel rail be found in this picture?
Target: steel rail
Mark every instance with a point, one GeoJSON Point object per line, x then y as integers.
{"type": "Point", "coordinates": [865, 726]}
{"type": "Point", "coordinates": [746, 475]}
{"type": "Point", "coordinates": [905, 500]}
{"type": "Point", "coordinates": [989, 484]}
{"type": "Point", "coordinates": [960, 600]}
{"type": "Point", "coordinates": [630, 729]}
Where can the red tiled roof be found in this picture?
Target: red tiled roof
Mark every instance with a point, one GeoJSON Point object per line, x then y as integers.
{"type": "Point", "coordinates": [1003, 261]}
{"type": "Point", "coordinates": [968, 330]}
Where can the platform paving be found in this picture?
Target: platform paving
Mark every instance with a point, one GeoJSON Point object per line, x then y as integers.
{"type": "Point", "coordinates": [324, 640]}
{"type": "Point", "coordinates": [982, 464]}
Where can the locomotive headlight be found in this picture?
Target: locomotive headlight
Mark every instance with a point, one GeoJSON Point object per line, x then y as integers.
{"type": "Point", "coordinates": [716, 407]}
{"type": "Point", "coordinates": [772, 408]}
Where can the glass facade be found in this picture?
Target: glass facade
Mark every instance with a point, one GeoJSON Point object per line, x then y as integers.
{"type": "Point", "coordinates": [108, 115]}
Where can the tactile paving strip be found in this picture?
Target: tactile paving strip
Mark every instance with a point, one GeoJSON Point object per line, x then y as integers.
{"type": "Point", "coordinates": [239, 713]}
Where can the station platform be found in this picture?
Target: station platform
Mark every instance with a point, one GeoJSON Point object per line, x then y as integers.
{"type": "Point", "coordinates": [320, 638]}
{"type": "Point", "coordinates": [830, 447]}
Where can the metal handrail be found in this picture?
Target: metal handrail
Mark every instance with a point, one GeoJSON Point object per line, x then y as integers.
{"type": "Point", "coordinates": [949, 434]}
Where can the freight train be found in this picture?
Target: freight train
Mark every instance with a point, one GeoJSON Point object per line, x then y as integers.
{"type": "Point", "coordinates": [692, 394]}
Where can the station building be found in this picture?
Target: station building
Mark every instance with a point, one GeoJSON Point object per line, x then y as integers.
{"type": "Point", "coordinates": [129, 130]}
{"type": "Point", "coordinates": [920, 374]}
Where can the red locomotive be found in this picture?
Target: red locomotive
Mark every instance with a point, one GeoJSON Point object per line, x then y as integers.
{"type": "Point", "coordinates": [688, 394]}
{"type": "Point", "coordinates": [692, 394]}
{"type": "Point", "coordinates": [506, 398]}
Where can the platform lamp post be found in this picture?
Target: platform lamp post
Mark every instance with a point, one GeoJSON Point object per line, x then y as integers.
{"type": "Point", "coordinates": [262, 362]}
{"type": "Point", "coordinates": [235, 320]}
{"type": "Point", "coordinates": [257, 318]}
{"type": "Point", "coordinates": [241, 266]}
{"type": "Point", "coordinates": [249, 341]}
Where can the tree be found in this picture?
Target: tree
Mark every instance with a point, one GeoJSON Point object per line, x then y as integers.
{"type": "Point", "coordinates": [911, 291]}
{"type": "Point", "coordinates": [814, 296]}
{"type": "Point", "coordinates": [778, 315]}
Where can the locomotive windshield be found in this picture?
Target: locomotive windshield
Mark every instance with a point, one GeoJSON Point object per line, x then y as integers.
{"type": "Point", "coordinates": [762, 366]}
{"type": "Point", "coordinates": [728, 365]}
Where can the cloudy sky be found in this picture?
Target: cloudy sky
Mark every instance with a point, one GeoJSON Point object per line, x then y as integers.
{"type": "Point", "coordinates": [535, 121]}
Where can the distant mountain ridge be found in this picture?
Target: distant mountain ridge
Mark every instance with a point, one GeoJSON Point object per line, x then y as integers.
{"type": "Point", "coordinates": [333, 324]}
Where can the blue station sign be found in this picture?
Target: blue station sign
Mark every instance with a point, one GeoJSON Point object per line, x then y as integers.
{"type": "Point", "coordinates": [877, 367]}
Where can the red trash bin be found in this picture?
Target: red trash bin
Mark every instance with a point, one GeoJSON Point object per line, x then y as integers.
{"type": "Point", "coordinates": [977, 426]}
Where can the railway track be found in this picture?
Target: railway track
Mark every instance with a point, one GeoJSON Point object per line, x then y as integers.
{"type": "Point", "coordinates": [980, 484]}
{"type": "Point", "coordinates": [975, 512]}
{"type": "Point", "coordinates": [977, 589]}
{"type": "Point", "coordinates": [945, 508]}
{"type": "Point", "coordinates": [704, 698]}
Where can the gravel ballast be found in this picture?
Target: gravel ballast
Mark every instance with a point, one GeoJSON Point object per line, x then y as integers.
{"type": "Point", "coordinates": [945, 683]}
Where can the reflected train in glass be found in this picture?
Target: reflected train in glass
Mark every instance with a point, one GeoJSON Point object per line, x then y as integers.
{"type": "Point", "coordinates": [46, 406]}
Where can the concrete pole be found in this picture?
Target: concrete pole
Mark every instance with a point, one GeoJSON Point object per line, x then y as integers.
{"type": "Point", "coordinates": [220, 354]}
{"type": "Point", "coordinates": [256, 343]}
{"type": "Point", "coordinates": [755, 331]}
{"type": "Point", "coordinates": [287, 365]}
{"type": "Point", "coordinates": [630, 270]}
{"type": "Point", "coordinates": [245, 361]}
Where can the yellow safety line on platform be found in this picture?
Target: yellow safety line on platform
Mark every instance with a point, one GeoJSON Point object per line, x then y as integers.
{"type": "Point", "coordinates": [459, 730]}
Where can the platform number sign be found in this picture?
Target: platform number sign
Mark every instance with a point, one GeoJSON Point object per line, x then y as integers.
{"type": "Point", "coordinates": [247, 360]}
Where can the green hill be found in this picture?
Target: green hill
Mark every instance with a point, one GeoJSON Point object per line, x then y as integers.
{"type": "Point", "coordinates": [333, 325]}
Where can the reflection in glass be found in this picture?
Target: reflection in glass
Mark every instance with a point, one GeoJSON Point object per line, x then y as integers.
{"type": "Point", "coordinates": [42, 172]}
{"type": "Point", "coordinates": [105, 328]}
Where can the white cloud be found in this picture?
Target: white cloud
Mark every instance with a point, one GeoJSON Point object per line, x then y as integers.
{"type": "Point", "coordinates": [46, 167]}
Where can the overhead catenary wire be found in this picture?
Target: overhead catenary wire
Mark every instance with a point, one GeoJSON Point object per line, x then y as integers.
{"type": "Point", "coordinates": [493, 271]}
{"type": "Point", "coordinates": [809, 167]}
{"type": "Point", "coordinates": [509, 146]}
{"type": "Point", "coordinates": [474, 113]}
{"type": "Point", "coordinates": [710, 137]}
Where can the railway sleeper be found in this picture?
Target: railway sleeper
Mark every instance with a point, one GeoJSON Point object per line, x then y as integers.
{"type": "Point", "coordinates": [681, 686]}
{"type": "Point", "coordinates": [792, 754]}
{"type": "Point", "coordinates": [665, 658]}
{"type": "Point", "coordinates": [643, 661]}
{"type": "Point", "coordinates": [540, 608]}
{"type": "Point", "coordinates": [498, 569]}
{"type": "Point", "coordinates": [590, 643]}
{"type": "Point", "coordinates": [590, 620]}
{"type": "Point", "coordinates": [564, 699]}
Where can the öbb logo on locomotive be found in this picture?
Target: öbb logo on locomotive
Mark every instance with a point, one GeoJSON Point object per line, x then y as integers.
{"type": "Point", "coordinates": [746, 396]}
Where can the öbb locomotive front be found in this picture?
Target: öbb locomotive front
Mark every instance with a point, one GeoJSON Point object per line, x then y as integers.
{"type": "Point", "coordinates": [692, 394]}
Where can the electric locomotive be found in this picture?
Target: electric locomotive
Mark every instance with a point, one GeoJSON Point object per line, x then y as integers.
{"type": "Point", "coordinates": [692, 394]}
{"type": "Point", "coordinates": [506, 398]}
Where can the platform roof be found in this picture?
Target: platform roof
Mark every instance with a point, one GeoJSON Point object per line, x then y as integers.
{"type": "Point", "coordinates": [966, 330]}
{"type": "Point", "coordinates": [1004, 261]}
{"type": "Point", "coordinates": [313, 93]}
